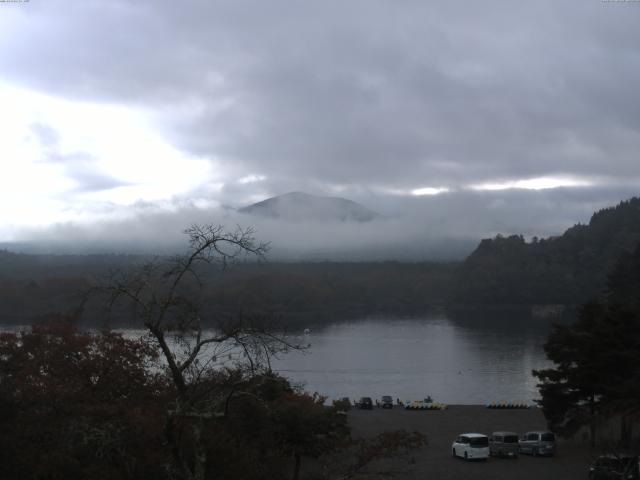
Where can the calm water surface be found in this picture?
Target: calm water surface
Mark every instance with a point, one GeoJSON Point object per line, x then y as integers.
{"type": "Point", "coordinates": [410, 359]}
{"type": "Point", "coordinates": [473, 362]}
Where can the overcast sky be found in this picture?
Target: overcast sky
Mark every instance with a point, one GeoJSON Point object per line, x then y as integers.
{"type": "Point", "coordinates": [508, 115]}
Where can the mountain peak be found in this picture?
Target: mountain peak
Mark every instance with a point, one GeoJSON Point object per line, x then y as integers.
{"type": "Point", "coordinates": [301, 206]}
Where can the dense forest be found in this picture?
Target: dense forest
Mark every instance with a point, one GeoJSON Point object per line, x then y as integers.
{"type": "Point", "coordinates": [33, 286]}
{"type": "Point", "coordinates": [596, 362]}
{"type": "Point", "coordinates": [503, 271]}
{"type": "Point", "coordinates": [566, 270]}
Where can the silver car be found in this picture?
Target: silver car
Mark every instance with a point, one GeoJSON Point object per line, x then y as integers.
{"type": "Point", "coordinates": [538, 443]}
{"type": "Point", "coordinates": [504, 444]}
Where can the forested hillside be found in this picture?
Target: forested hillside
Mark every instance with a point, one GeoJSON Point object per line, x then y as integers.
{"type": "Point", "coordinates": [32, 286]}
{"type": "Point", "coordinates": [568, 269]}
{"type": "Point", "coordinates": [334, 289]}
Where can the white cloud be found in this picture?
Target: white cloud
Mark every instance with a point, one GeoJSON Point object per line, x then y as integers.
{"type": "Point", "coordinates": [539, 183]}
{"type": "Point", "coordinates": [429, 191]}
{"type": "Point", "coordinates": [251, 179]}
{"type": "Point", "coordinates": [42, 179]}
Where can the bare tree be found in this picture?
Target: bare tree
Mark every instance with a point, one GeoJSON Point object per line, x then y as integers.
{"type": "Point", "coordinates": [166, 298]}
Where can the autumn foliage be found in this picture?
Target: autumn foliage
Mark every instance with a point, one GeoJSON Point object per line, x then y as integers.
{"type": "Point", "coordinates": [79, 405]}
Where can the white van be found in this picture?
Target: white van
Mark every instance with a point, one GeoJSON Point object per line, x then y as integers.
{"type": "Point", "coordinates": [471, 446]}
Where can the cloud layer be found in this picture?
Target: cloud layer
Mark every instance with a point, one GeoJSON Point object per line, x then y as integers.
{"type": "Point", "coordinates": [372, 100]}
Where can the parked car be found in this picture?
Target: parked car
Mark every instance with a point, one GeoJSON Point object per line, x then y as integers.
{"type": "Point", "coordinates": [615, 467]}
{"type": "Point", "coordinates": [538, 443]}
{"type": "Point", "coordinates": [471, 446]}
{"type": "Point", "coordinates": [387, 401]}
{"type": "Point", "coordinates": [504, 444]}
{"type": "Point", "coordinates": [365, 403]}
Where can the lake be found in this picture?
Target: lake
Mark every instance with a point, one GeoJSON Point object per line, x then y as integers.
{"type": "Point", "coordinates": [478, 360]}
{"type": "Point", "coordinates": [453, 362]}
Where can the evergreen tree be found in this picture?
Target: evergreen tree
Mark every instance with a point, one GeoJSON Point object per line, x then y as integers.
{"type": "Point", "coordinates": [597, 360]}
{"type": "Point", "coordinates": [572, 392]}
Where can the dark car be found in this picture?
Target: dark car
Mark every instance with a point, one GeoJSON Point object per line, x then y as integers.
{"type": "Point", "coordinates": [615, 467]}
{"type": "Point", "coordinates": [365, 403]}
{"type": "Point", "coordinates": [387, 401]}
{"type": "Point", "coordinates": [538, 443]}
{"type": "Point", "coordinates": [504, 444]}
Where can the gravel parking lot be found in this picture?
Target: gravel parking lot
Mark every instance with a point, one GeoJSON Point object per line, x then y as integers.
{"type": "Point", "coordinates": [434, 461]}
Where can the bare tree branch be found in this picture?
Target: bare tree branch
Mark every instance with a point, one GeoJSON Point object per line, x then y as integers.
{"type": "Point", "coordinates": [165, 296]}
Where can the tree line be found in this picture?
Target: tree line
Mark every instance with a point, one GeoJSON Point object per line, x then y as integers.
{"type": "Point", "coordinates": [569, 269]}
{"type": "Point", "coordinates": [298, 293]}
{"type": "Point", "coordinates": [504, 271]}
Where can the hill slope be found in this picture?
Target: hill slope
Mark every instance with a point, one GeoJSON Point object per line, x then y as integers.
{"type": "Point", "coordinates": [569, 269]}
{"type": "Point", "coordinates": [299, 206]}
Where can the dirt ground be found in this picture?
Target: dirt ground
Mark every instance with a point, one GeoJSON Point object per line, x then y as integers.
{"type": "Point", "coordinates": [434, 461]}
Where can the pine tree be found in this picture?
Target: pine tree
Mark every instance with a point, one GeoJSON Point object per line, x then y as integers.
{"type": "Point", "coordinates": [596, 369]}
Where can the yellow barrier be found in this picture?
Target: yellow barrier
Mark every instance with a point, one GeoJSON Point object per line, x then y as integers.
{"type": "Point", "coordinates": [425, 406]}
{"type": "Point", "coordinates": [507, 405]}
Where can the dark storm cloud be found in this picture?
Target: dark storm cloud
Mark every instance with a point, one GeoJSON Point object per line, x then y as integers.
{"type": "Point", "coordinates": [362, 97]}
{"type": "Point", "coordinates": [359, 92]}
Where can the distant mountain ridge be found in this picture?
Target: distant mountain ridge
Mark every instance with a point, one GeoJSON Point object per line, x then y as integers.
{"type": "Point", "coordinates": [569, 269]}
{"type": "Point", "coordinates": [300, 206]}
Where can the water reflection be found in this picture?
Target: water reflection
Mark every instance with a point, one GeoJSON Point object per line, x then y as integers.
{"type": "Point", "coordinates": [452, 361]}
